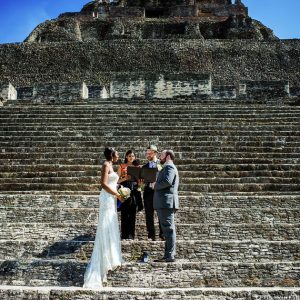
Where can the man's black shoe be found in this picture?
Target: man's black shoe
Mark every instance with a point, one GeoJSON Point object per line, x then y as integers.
{"type": "Point", "coordinates": [162, 238]}
{"type": "Point", "coordinates": [144, 258]}
{"type": "Point", "coordinates": [170, 260]}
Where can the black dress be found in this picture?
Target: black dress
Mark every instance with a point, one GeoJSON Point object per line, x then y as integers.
{"type": "Point", "coordinates": [128, 209]}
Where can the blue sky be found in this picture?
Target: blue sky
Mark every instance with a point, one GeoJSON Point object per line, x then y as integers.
{"type": "Point", "coordinates": [19, 17]}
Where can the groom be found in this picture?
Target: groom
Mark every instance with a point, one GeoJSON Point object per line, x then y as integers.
{"type": "Point", "coordinates": [166, 202]}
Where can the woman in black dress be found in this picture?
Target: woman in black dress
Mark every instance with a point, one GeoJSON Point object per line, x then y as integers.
{"type": "Point", "coordinates": [134, 203]}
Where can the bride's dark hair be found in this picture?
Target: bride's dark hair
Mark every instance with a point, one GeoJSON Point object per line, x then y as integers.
{"type": "Point", "coordinates": [109, 152]}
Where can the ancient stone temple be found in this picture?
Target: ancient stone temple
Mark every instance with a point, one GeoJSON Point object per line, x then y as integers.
{"type": "Point", "coordinates": [203, 19]}
{"type": "Point", "coordinates": [198, 76]}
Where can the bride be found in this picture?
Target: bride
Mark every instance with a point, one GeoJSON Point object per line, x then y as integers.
{"type": "Point", "coordinates": [107, 247]}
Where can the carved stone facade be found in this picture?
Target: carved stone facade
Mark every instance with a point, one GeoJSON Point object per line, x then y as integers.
{"type": "Point", "coordinates": [219, 19]}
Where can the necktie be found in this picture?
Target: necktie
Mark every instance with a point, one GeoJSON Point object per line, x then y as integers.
{"type": "Point", "coordinates": [152, 165]}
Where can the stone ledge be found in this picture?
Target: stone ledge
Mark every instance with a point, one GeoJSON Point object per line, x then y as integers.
{"type": "Point", "coordinates": [202, 251]}
{"type": "Point", "coordinates": [184, 274]}
{"type": "Point", "coordinates": [66, 231]}
{"type": "Point", "coordinates": [69, 293]}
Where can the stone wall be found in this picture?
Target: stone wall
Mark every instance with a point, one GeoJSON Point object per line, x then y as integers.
{"type": "Point", "coordinates": [60, 92]}
{"type": "Point", "coordinates": [227, 61]}
{"type": "Point", "coordinates": [158, 86]}
{"type": "Point", "coordinates": [161, 86]}
{"type": "Point", "coordinates": [264, 89]}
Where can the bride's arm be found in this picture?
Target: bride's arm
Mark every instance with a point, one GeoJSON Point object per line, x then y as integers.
{"type": "Point", "coordinates": [104, 181]}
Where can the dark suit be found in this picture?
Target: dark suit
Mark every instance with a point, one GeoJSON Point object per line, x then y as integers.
{"type": "Point", "coordinates": [166, 202]}
{"type": "Point", "coordinates": [149, 210]}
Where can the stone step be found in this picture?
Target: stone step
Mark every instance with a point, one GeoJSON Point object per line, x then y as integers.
{"type": "Point", "coordinates": [159, 103]}
{"type": "Point", "coordinates": [190, 140]}
{"type": "Point", "coordinates": [41, 168]}
{"type": "Point", "coordinates": [245, 251]}
{"type": "Point", "coordinates": [153, 131]}
{"type": "Point", "coordinates": [102, 118]}
{"type": "Point", "coordinates": [81, 123]}
{"type": "Point", "coordinates": [138, 110]}
{"type": "Point", "coordinates": [287, 147]}
{"type": "Point", "coordinates": [144, 105]}
{"type": "Point", "coordinates": [154, 275]}
{"type": "Point", "coordinates": [207, 188]}
{"type": "Point", "coordinates": [182, 174]}
{"type": "Point", "coordinates": [82, 140]}
{"type": "Point", "coordinates": [239, 180]}
{"type": "Point", "coordinates": [205, 231]}
{"type": "Point", "coordinates": [150, 115]}
{"type": "Point", "coordinates": [77, 124]}
{"type": "Point", "coordinates": [244, 153]}
{"type": "Point", "coordinates": [197, 161]}
{"type": "Point", "coordinates": [143, 108]}
{"type": "Point", "coordinates": [212, 100]}
{"type": "Point", "coordinates": [95, 180]}
{"type": "Point", "coordinates": [227, 144]}
{"type": "Point", "coordinates": [70, 293]}
{"type": "Point", "coordinates": [232, 200]}
{"type": "Point", "coordinates": [95, 193]}
{"type": "Point", "coordinates": [138, 124]}
{"type": "Point", "coordinates": [115, 104]}
{"type": "Point", "coordinates": [189, 215]}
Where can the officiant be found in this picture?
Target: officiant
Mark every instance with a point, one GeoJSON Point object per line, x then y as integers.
{"type": "Point", "coordinates": [134, 203]}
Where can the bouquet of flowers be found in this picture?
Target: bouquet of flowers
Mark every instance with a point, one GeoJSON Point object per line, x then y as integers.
{"type": "Point", "coordinates": [124, 192]}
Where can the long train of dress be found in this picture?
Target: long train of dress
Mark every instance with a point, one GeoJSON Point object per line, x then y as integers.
{"type": "Point", "coordinates": [107, 247]}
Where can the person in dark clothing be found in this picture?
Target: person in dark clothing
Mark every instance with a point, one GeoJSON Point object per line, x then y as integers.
{"type": "Point", "coordinates": [134, 203]}
{"type": "Point", "coordinates": [148, 195]}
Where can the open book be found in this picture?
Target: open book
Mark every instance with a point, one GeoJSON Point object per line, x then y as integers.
{"type": "Point", "coordinates": [147, 174]}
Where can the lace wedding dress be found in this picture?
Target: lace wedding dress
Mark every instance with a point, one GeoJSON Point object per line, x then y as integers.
{"type": "Point", "coordinates": [107, 248]}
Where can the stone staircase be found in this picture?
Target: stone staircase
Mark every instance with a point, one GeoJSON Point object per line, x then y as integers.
{"type": "Point", "coordinates": [238, 226]}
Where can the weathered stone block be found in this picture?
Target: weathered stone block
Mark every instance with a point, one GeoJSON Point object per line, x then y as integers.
{"type": "Point", "coordinates": [295, 91]}
{"type": "Point", "coordinates": [25, 93]}
{"type": "Point", "coordinates": [97, 92]}
{"type": "Point", "coordinates": [7, 92]}
{"type": "Point", "coordinates": [59, 92]}
{"type": "Point", "coordinates": [119, 12]}
{"type": "Point", "coordinates": [224, 92]}
{"type": "Point", "coordinates": [161, 86]}
{"type": "Point", "coordinates": [264, 89]}
{"type": "Point", "coordinates": [183, 11]}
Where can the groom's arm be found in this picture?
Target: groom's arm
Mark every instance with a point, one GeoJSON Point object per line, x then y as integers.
{"type": "Point", "coordinates": [167, 178]}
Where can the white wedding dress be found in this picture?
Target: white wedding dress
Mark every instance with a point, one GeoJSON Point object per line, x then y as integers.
{"type": "Point", "coordinates": [107, 248]}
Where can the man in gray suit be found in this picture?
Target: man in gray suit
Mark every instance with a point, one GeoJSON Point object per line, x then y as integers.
{"type": "Point", "coordinates": [166, 202]}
